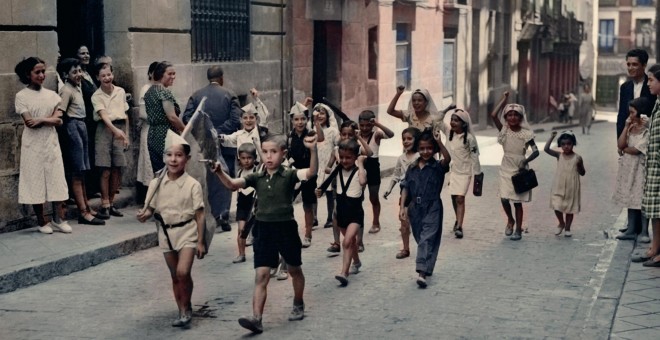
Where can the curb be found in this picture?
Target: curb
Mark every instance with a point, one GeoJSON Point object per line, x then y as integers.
{"type": "Point", "coordinates": [38, 273]}
{"type": "Point", "coordinates": [567, 126]}
{"type": "Point", "coordinates": [603, 306]}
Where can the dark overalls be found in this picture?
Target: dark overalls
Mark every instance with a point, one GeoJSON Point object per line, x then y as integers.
{"type": "Point", "coordinates": [349, 209]}
{"type": "Point", "coordinates": [425, 211]}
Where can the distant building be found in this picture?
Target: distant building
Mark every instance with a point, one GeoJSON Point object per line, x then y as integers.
{"type": "Point", "coordinates": [622, 26]}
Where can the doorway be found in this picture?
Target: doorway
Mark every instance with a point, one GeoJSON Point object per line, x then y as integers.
{"type": "Point", "coordinates": [80, 22]}
{"type": "Point", "coordinates": [326, 75]}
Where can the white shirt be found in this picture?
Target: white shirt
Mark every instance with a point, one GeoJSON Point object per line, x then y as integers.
{"type": "Point", "coordinates": [241, 137]}
{"type": "Point", "coordinates": [637, 88]}
{"type": "Point", "coordinates": [354, 188]}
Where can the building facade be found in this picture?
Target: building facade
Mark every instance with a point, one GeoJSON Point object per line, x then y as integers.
{"type": "Point", "coordinates": [622, 26]}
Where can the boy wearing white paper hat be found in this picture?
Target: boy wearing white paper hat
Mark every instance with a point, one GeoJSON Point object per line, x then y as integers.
{"type": "Point", "coordinates": [176, 201]}
{"type": "Point", "coordinates": [249, 133]}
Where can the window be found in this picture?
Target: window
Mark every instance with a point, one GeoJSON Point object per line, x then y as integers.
{"type": "Point", "coordinates": [644, 32]}
{"type": "Point", "coordinates": [448, 75]}
{"type": "Point", "coordinates": [606, 36]}
{"type": "Point", "coordinates": [403, 55]}
{"type": "Point", "coordinates": [373, 52]}
{"type": "Point", "coordinates": [220, 30]}
{"type": "Point", "coordinates": [607, 89]}
{"type": "Point", "coordinates": [644, 2]}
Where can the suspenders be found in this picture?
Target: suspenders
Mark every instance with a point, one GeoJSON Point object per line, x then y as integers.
{"type": "Point", "coordinates": [344, 186]}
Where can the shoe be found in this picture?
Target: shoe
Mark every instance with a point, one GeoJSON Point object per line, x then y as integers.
{"type": "Point", "coordinates": [560, 229]}
{"type": "Point", "coordinates": [282, 275]}
{"type": "Point", "coordinates": [374, 229]}
{"type": "Point", "coordinates": [334, 248]}
{"type": "Point", "coordinates": [328, 224]}
{"type": "Point", "coordinates": [273, 272]}
{"type": "Point", "coordinates": [355, 268]}
{"type": "Point", "coordinates": [316, 223]}
{"type": "Point", "coordinates": [343, 281]}
{"type": "Point", "coordinates": [93, 221]}
{"type": "Point", "coordinates": [103, 212]}
{"type": "Point", "coordinates": [45, 229]}
{"type": "Point", "coordinates": [421, 282]}
{"type": "Point", "coordinates": [568, 233]}
{"type": "Point", "coordinates": [651, 263]}
{"type": "Point", "coordinates": [100, 215]}
{"type": "Point", "coordinates": [509, 230]}
{"type": "Point", "coordinates": [624, 237]}
{"type": "Point", "coordinates": [63, 227]}
{"type": "Point", "coordinates": [307, 241]}
{"type": "Point", "coordinates": [402, 254]}
{"type": "Point", "coordinates": [640, 258]}
{"type": "Point", "coordinates": [623, 230]}
{"type": "Point", "coordinates": [251, 323]}
{"type": "Point", "coordinates": [178, 322]}
{"type": "Point", "coordinates": [360, 248]}
{"type": "Point", "coordinates": [115, 212]}
{"type": "Point", "coordinates": [455, 226]}
{"type": "Point", "coordinates": [644, 239]}
{"type": "Point", "coordinates": [239, 259]}
{"type": "Point", "coordinates": [249, 240]}
{"type": "Point", "coordinates": [516, 237]}
{"type": "Point", "coordinates": [459, 232]}
{"type": "Point", "coordinates": [224, 225]}
{"type": "Point", "coordinates": [297, 313]}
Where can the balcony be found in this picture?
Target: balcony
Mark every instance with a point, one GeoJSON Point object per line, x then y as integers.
{"type": "Point", "coordinates": [643, 3]}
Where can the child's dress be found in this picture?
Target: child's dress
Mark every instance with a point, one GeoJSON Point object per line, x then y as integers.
{"type": "Point", "coordinates": [425, 211]}
{"type": "Point", "coordinates": [464, 159]}
{"type": "Point", "coordinates": [566, 185]}
{"type": "Point", "coordinates": [41, 177]}
{"type": "Point", "coordinates": [325, 150]}
{"type": "Point", "coordinates": [631, 177]}
{"type": "Point", "coordinates": [514, 145]}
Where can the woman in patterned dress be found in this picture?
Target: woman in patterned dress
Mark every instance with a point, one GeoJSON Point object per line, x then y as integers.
{"type": "Point", "coordinates": [41, 177]}
{"type": "Point", "coordinates": [651, 199]}
{"type": "Point", "coordinates": [162, 113]}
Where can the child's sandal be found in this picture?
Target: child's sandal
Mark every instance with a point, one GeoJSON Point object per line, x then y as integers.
{"type": "Point", "coordinates": [402, 254]}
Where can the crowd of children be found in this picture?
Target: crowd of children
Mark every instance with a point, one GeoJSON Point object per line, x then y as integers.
{"type": "Point", "coordinates": [319, 157]}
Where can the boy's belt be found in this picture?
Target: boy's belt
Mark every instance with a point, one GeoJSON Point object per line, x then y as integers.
{"type": "Point", "coordinates": [159, 218]}
{"type": "Point", "coordinates": [420, 199]}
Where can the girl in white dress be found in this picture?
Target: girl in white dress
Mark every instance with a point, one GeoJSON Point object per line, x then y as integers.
{"type": "Point", "coordinates": [41, 177]}
{"type": "Point", "coordinates": [631, 177]}
{"type": "Point", "coordinates": [566, 191]}
{"type": "Point", "coordinates": [325, 117]}
{"type": "Point", "coordinates": [464, 151]}
{"type": "Point", "coordinates": [515, 137]}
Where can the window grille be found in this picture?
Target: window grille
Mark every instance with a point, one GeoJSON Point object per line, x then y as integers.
{"type": "Point", "coordinates": [220, 30]}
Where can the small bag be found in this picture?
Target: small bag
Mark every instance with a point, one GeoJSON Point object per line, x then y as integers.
{"type": "Point", "coordinates": [477, 188]}
{"type": "Point", "coordinates": [524, 181]}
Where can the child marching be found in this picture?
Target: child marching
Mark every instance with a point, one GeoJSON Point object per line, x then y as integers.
{"type": "Point", "coordinates": [276, 230]}
{"type": "Point", "coordinates": [421, 203]}
{"type": "Point", "coordinates": [408, 137]}
{"type": "Point", "coordinates": [245, 199]}
{"type": "Point", "coordinates": [176, 202]}
{"type": "Point", "coordinates": [516, 137]}
{"type": "Point", "coordinates": [464, 151]}
{"type": "Point", "coordinates": [566, 190]}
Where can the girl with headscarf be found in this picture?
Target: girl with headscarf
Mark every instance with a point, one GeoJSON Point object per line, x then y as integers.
{"type": "Point", "coordinates": [464, 151]}
{"type": "Point", "coordinates": [421, 113]}
{"type": "Point", "coordinates": [325, 117]}
{"type": "Point", "coordinates": [516, 137]}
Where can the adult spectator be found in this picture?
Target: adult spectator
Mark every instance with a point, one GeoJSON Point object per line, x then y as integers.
{"type": "Point", "coordinates": [225, 111]}
{"type": "Point", "coordinates": [144, 171]}
{"type": "Point", "coordinates": [88, 87]}
{"type": "Point", "coordinates": [162, 113]}
{"type": "Point", "coordinates": [635, 87]}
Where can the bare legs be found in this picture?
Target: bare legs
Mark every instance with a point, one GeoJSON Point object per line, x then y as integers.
{"type": "Point", "coordinates": [80, 196]}
{"type": "Point", "coordinates": [110, 180]}
{"type": "Point", "coordinates": [180, 265]}
{"type": "Point", "coordinates": [261, 279]}
{"type": "Point", "coordinates": [518, 221]}
{"type": "Point", "coordinates": [375, 203]}
{"type": "Point", "coordinates": [350, 247]}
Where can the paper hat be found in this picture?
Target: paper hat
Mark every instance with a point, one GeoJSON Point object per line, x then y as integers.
{"type": "Point", "coordinates": [173, 139]}
{"type": "Point", "coordinates": [249, 108]}
{"type": "Point", "coordinates": [298, 108]}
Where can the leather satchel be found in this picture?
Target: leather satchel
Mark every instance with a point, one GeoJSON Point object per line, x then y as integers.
{"type": "Point", "coordinates": [477, 188]}
{"type": "Point", "coordinates": [524, 181]}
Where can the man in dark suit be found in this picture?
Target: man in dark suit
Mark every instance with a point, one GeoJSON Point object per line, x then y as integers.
{"type": "Point", "coordinates": [225, 111]}
{"type": "Point", "coordinates": [635, 87]}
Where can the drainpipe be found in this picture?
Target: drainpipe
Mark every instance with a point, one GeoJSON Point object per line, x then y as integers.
{"type": "Point", "coordinates": [282, 35]}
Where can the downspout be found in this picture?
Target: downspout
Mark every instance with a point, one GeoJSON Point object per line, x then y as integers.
{"type": "Point", "coordinates": [282, 35]}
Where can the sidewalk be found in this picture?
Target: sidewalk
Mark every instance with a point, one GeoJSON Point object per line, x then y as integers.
{"type": "Point", "coordinates": [29, 257]}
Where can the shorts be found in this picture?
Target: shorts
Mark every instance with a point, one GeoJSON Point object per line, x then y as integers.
{"type": "Point", "coordinates": [307, 189]}
{"type": "Point", "coordinates": [349, 210]}
{"type": "Point", "coordinates": [77, 155]}
{"type": "Point", "coordinates": [109, 150]}
{"type": "Point", "coordinates": [244, 206]}
{"type": "Point", "coordinates": [372, 167]}
{"type": "Point", "coordinates": [272, 239]}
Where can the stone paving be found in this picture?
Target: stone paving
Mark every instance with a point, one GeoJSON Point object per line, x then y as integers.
{"type": "Point", "coordinates": [484, 286]}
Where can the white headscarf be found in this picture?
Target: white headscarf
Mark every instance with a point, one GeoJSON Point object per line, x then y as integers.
{"type": "Point", "coordinates": [517, 108]}
{"type": "Point", "coordinates": [330, 115]}
{"type": "Point", "coordinates": [430, 105]}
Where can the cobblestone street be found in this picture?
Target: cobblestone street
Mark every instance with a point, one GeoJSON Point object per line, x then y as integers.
{"type": "Point", "coordinates": [484, 286]}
